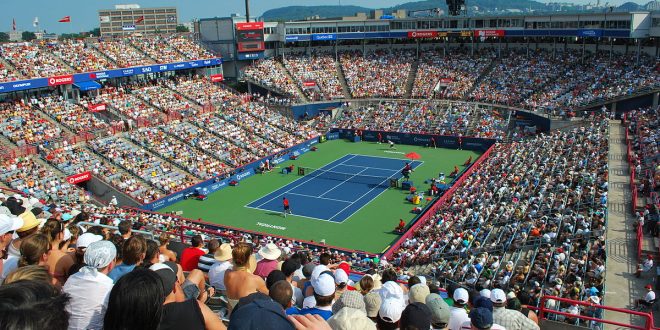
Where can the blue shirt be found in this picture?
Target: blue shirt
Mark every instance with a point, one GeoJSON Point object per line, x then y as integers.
{"type": "Point", "coordinates": [325, 314]}
{"type": "Point", "coordinates": [119, 271]}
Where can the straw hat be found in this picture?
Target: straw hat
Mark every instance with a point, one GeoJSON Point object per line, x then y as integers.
{"type": "Point", "coordinates": [223, 253]}
{"type": "Point", "coordinates": [270, 252]}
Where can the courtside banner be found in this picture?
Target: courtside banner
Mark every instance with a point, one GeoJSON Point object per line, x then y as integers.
{"type": "Point", "coordinates": [80, 177]}
{"type": "Point", "coordinates": [20, 85]}
{"type": "Point", "coordinates": [96, 107]}
{"type": "Point", "coordinates": [241, 173]}
{"type": "Point", "coordinates": [440, 141]}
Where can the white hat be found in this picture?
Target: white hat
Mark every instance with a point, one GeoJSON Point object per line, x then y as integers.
{"type": "Point", "coordinates": [87, 238]}
{"type": "Point", "coordinates": [9, 223]}
{"type": "Point", "coordinates": [497, 296]}
{"type": "Point", "coordinates": [270, 252]}
{"type": "Point", "coordinates": [391, 290]}
{"type": "Point", "coordinates": [341, 276]}
{"type": "Point", "coordinates": [67, 234]}
{"type": "Point", "coordinates": [318, 270]}
{"type": "Point", "coordinates": [390, 310]}
{"type": "Point", "coordinates": [485, 293]}
{"type": "Point", "coordinates": [595, 299]}
{"type": "Point", "coordinates": [422, 279]}
{"type": "Point", "coordinates": [351, 318]}
{"type": "Point", "coordinates": [324, 285]}
{"type": "Point", "coordinates": [461, 295]}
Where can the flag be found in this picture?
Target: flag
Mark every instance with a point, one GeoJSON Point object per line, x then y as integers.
{"type": "Point", "coordinates": [139, 20]}
{"type": "Point", "coordinates": [13, 25]}
{"type": "Point", "coordinates": [65, 19]}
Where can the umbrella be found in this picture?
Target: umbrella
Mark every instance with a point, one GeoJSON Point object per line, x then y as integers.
{"type": "Point", "coordinates": [413, 155]}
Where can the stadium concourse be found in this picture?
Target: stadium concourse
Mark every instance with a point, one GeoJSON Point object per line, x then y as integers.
{"type": "Point", "coordinates": [524, 236]}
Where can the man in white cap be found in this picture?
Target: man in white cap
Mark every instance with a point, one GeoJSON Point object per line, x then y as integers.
{"type": "Point", "coordinates": [458, 314]}
{"type": "Point", "coordinates": [269, 254]}
{"type": "Point", "coordinates": [90, 287]}
{"type": "Point", "coordinates": [509, 318]}
{"type": "Point", "coordinates": [8, 225]}
{"type": "Point", "coordinates": [324, 295]}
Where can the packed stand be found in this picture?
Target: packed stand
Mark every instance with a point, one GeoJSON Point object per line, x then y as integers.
{"type": "Point", "coordinates": [7, 73]}
{"type": "Point", "coordinates": [193, 160]}
{"type": "Point", "coordinates": [122, 53]}
{"type": "Point", "coordinates": [33, 61]}
{"type": "Point", "coordinates": [201, 90]}
{"type": "Point", "coordinates": [126, 103]}
{"type": "Point", "coordinates": [644, 134]}
{"type": "Point", "coordinates": [451, 76]}
{"type": "Point", "coordinates": [431, 117]}
{"type": "Point", "coordinates": [319, 69]}
{"type": "Point", "coordinates": [190, 49]}
{"type": "Point", "coordinates": [272, 74]}
{"type": "Point", "coordinates": [69, 114]}
{"type": "Point", "coordinates": [531, 216]}
{"type": "Point", "coordinates": [78, 159]}
{"type": "Point", "coordinates": [241, 135]}
{"type": "Point", "coordinates": [80, 56]}
{"type": "Point", "coordinates": [145, 165]}
{"type": "Point", "coordinates": [378, 74]}
{"type": "Point", "coordinates": [23, 125]}
{"type": "Point", "coordinates": [166, 100]}
{"type": "Point", "coordinates": [30, 177]}
{"type": "Point", "coordinates": [517, 75]}
{"type": "Point", "coordinates": [157, 48]}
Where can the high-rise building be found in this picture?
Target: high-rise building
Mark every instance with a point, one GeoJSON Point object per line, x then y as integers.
{"type": "Point", "coordinates": [131, 19]}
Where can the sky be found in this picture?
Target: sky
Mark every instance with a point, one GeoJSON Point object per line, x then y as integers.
{"type": "Point", "coordinates": [84, 16]}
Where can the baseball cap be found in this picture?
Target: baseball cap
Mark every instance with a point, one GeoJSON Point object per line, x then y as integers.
{"type": "Point", "coordinates": [349, 299]}
{"type": "Point", "coordinates": [481, 318]}
{"type": "Point", "coordinates": [308, 269]}
{"type": "Point", "coordinates": [167, 276]}
{"type": "Point", "coordinates": [439, 309]}
{"type": "Point", "coordinates": [372, 303]}
{"type": "Point", "coordinates": [497, 296]}
{"type": "Point", "coordinates": [318, 270]}
{"type": "Point", "coordinates": [649, 286]}
{"type": "Point", "coordinates": [390, 310]}
{"type": "Point", "coordinates": [350, 318]}
{"type": "Point", "coordinates": [341, 277]}
{"type": "Point", "coordinates": [485, 293]}
{"type": "Point", "coordinates": [461, 296]}
{"type": "Point", "coordinates": [86, 239]}
{"type": "Point", "coordinates": [391, 289]}
{"type": "Point", "coordinates": [324, 285]}
{"type": "Point", "coordinates": [9, 223]}
{"type": "Point", "coordinates": [483, 302]}
{"type": "Point", "coordinates": [418, 293]}
{"type": "Point", "coordinates": [416, 316]}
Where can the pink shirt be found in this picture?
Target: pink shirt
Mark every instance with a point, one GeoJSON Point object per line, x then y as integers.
{"type": "Point", "coordinates": [264, 267]}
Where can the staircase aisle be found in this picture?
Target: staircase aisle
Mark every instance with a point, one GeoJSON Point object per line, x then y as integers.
{"type": "Point", "coordinates": [342, 79]}
{"type": "Point", "coordinates": [622, 288]}
{"type": "Point", "coordinates": [410, 83]}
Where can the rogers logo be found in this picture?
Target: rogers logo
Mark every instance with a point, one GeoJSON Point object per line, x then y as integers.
{"type": "Point", "coordinates": [420, 139]}
{"type": "Point", "coordinates": [243, 175]}
{"type": "Point", "coordinates": [60, 80]}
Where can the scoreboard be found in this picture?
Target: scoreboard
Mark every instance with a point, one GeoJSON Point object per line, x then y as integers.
{"type": "Point", "coordinates": [250, 37]}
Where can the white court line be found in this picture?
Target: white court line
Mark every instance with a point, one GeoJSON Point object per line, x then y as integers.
{"type": "Point", "coordinates": [347, 180]}
{"type": "Point", "coordinates": [371, 168]}
{"type": "Point", "coordinates": [293, 214]}
{"type": "Point", "coordinates": [387, 157]}
{"type": "Point", "coordinates": [365, 204]}
{"type": "Point", "coordinates": [330, 199]}
{"type": "Point", "coordinates": [307, 177]}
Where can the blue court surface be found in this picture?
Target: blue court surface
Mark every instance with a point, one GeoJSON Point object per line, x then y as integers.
{"type": "Point", "coordinates": [337, 190]}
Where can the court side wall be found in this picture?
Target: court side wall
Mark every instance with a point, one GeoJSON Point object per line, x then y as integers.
{"type": "Point", "coordinates": [441, 141]}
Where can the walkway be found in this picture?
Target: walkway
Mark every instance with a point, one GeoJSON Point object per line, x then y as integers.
{"type": "Point", "coordinates": [622, 288]}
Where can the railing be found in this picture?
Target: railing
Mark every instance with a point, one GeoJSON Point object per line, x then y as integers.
{"type": "Point", "coordinates": [543, 311]}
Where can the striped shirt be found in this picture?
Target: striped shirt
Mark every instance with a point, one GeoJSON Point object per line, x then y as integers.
{"type": "Point", "coordinates": [205, 262]}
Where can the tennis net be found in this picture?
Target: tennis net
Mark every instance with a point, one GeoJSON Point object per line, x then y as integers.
{"type": "Point", "coordinates": [347, 177]}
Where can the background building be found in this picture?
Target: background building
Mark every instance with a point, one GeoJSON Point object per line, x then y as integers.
{"type": "Point", "coordinates": [131, 19]}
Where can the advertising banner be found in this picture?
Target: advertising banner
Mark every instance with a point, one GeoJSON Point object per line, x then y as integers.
{"type": "Point", "coordinates": [60, 80]}
{"type": "Point", "coordinates": [423, 34]}
{"type": "Point", "coordinates": [489, 33]}
{"type": "Point", "coordinates": [217, 77]}
{"type": "Point", "coordinates": [96, 107]}
{"type": "Point", "coordinates": [80, 177]}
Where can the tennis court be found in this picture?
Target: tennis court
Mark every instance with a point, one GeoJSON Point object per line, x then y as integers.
{"type": "Point", "coordinates": [337, 190]}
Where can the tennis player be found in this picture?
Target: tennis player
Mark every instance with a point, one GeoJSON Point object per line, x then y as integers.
{"type": "Point", "coordinates": [391, 144]}
{"type": "Point", "coordinates": [287, 208]}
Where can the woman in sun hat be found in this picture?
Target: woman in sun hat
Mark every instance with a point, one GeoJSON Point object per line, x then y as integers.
{"type": "Point", "coordinates": [269, 254]}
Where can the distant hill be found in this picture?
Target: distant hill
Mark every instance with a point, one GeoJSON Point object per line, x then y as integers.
{"type": "Point", "coordinates": [629, 6]}
{"type": "Point", "coordinates": [302, 12]}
